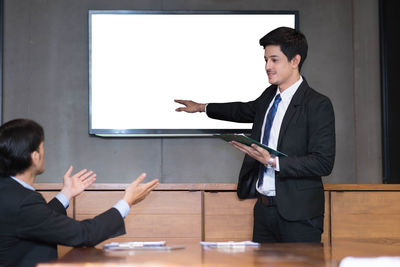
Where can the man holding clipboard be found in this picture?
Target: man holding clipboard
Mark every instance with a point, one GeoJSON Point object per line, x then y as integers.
{"type": "Point", "coordinates": [294, 119]}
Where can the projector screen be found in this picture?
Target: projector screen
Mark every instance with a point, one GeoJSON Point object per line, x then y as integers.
{"type": "Point", "coordinates": [139, 62]}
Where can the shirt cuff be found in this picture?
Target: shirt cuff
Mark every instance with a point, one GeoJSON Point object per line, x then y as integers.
{"type": "Point", "coordinates": [122, 207]}
{"type": "Point", "coordinates": [205, 108]}
{"type": "Point", "coordinates": [277, 164]}
{"type": "Point", "coordinates": [63, 199]}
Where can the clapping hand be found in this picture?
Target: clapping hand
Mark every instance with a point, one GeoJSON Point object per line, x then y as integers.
{"type": "Point", "coordinates": [77, 183]}
{"type": "Point", "coordinates": [137, 191]}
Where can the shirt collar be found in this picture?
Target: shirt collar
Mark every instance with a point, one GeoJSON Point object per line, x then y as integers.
{"type": "Point", "coordinates": [27, 186]}
{"type": "Point", "coordinates": [289, 92]}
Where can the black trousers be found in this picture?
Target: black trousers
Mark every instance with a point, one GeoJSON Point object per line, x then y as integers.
{"type": "Point", "coordinates": [271, 227]}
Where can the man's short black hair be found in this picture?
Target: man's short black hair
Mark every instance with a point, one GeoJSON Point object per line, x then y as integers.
{"type": "Point", "coordinates": [18, 139]}
{"type": "Point", "coordinates": [291, 42]}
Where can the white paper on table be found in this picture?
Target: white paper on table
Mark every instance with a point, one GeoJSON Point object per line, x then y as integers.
{"type": "Point", "coordinates": [230, 244]}
{"type": "Point", "coordinates": [384, 261]}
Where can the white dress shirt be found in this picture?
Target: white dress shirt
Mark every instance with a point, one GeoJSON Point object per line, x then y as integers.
{"type": "Point", "coordinates": [268, 186]}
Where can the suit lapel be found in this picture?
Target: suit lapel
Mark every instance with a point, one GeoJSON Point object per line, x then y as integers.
{"type": "Point", "coordinates": [297, 101]}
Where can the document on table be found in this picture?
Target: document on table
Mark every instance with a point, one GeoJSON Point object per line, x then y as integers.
{"type": "Point", "coordinates": [386, 261]}
{"type": "Point", "coordinates": [230, 244]}
{"type": "Point", "coordinates": [147, 245]}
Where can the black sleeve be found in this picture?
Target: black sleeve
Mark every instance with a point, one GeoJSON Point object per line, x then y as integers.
{"type": "Point", "coordinates": [39, 222]}
{"type": "Point", "coordinates": [244, 112]}
{"type": "Point", "coordinates": [57, 206]}
{"type": "Point", "coordinates": [234, 111]}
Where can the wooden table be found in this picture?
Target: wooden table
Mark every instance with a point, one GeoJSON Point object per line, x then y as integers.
{"type": "Point", "coordinates": [289, 254]}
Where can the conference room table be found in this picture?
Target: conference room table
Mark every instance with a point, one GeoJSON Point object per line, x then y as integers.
{"type": "Point", "coordinates": [193, 254]}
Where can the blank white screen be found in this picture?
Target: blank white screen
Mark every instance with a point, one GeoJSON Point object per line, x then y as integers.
{"type": "Point", "coordinates": [140, 63]}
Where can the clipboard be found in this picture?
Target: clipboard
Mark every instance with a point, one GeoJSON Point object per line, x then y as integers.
{"type": "Point", "coordinates": [243, 139]}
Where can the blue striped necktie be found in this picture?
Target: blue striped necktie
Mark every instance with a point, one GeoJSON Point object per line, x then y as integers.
{"type": "Point", "coordinates": [268, 126]}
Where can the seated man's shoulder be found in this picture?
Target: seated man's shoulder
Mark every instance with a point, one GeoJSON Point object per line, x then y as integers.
{"type": "Point", "coordinates": [14, 193]}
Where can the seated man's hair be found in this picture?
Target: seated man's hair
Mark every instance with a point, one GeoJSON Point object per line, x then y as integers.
{"type": "Point", "coordinates": [18, 139]}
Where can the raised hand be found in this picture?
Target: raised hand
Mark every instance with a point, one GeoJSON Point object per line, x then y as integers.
{"type": "Point", "coordinates": [190, 106]}
{"type": "Point", "coordinates": [136, 192]}
{"type": "Point", "coordinates": [77, 183]}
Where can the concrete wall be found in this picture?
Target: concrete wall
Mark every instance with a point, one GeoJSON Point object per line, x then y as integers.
{"type": "Point", "coordinates": [46, 79]}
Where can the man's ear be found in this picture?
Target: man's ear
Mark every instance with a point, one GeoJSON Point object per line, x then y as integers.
{"type": "Point", "coordinates": [35, 156]}
{"type": "Point", "coordinates": [296, 61]}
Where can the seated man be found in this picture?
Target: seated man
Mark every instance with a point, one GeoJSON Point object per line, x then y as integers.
{"type": "Point", "coordinates": [30, 228]}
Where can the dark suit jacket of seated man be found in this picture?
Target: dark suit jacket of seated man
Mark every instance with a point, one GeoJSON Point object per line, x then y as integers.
{"type": "Point", "coordinates": [30, 228]}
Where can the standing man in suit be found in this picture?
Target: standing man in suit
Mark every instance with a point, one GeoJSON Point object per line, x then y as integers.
{"type": "Point", "coordinates": [30, 228]}
{"type": "Point", "coordinates": [290, 117]}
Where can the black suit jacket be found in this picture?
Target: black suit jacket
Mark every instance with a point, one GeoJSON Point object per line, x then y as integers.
{"type": "Point", "coordinates": [307, 136]}
{"type": "Point", "coordinates": [30, 228]}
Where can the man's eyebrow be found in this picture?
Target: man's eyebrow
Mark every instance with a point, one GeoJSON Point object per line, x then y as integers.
{"type": "Point", "coordinates": [273, 56]}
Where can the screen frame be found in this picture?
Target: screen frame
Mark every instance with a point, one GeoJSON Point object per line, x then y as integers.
{"type": "Point", "coordinates": [166, 132]}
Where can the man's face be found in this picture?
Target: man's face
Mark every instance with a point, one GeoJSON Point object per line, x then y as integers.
{"type": "Point", "coordinates": [280, 71]}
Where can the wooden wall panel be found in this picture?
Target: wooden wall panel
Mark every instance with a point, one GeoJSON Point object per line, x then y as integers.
{"type": "Point", "coordinates": [326, 235]}
{"type": "Point", "coordinates": [178, 217]}
{"type": "Point", "coordinates": [174, 216]}
{"type": "Point", "coordinates": [227, 218]}
{"type": "Point", "coordinates": [366, 216]}
{"type": "Point", "coordinates": [159, 202]}
{"type": "Point", "coordinates": [49, 195]}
